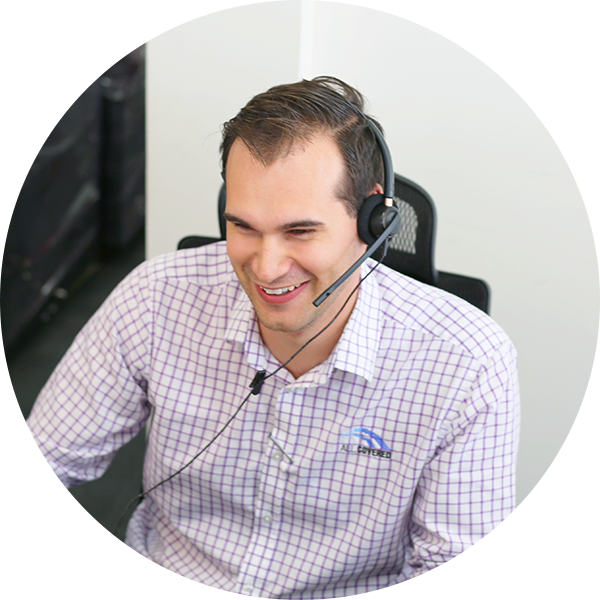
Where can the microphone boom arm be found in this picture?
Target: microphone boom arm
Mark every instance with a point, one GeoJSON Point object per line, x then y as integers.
{"type": "Point", "coordinates": [387, 232]}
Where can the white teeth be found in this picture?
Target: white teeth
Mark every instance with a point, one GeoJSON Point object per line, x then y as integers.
{"type": "Point", "coordinates": [280, 290]}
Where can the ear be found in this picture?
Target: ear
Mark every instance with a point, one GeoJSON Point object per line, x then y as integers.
{"type": "Point", "coordinates": [378, 189]}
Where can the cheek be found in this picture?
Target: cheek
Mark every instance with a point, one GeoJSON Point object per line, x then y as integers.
{"type": "Point", "coordinates": [323, 261]}
{"type": "Point", "coordinates": [346, 250]}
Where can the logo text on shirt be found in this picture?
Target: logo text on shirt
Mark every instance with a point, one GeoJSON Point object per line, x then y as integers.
{"type": "Point", "coordinates": [370, 443]}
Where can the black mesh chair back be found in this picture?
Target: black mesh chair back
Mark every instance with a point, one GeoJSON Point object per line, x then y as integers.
{"type": "Point", "coordinates": [411, 250]}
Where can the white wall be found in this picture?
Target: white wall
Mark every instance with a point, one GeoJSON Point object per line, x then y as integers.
{"type": "Point", "coordinates": [198, 76]}
{"type": "Point", "coordinates": [508, 208]}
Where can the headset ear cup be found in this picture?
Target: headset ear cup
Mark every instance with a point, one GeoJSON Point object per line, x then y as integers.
{"type": "Point", "coordinates": [363, 220]}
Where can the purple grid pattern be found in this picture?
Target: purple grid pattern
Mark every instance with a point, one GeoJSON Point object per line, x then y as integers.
{"type": "Point", "coordinates": [431, 375]}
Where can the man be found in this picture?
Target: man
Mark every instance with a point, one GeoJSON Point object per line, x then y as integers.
{"type": "Point", "coordinates": [384, 448]}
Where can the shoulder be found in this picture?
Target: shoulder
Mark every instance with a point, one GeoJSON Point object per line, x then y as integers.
{"type": "Point", "coordinates": [414, 308]}
{"type": "Point", "coordinates": [183, 276]}
{"type": "Point", "coordinates": [207, 265]}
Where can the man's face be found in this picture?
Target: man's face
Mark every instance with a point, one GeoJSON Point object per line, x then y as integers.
{"type": "Point", "coordinates": [289, 236]}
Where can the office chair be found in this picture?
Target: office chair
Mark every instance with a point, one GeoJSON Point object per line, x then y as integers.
{"type": "Point", "coordinates": [411, 250]}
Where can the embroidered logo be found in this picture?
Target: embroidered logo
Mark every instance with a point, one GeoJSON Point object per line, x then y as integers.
{"type": "Point", "coordinates": [370, 443]}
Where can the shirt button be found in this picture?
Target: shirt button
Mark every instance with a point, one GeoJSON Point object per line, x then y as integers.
{"type": "Point", "coordinates": [277, 455]}
{"type": "Point", "coordinates": [247, 589]}
{"type": "Point", "coordinates": [268, 519]}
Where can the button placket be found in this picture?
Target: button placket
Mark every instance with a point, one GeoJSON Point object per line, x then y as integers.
{"type": "Point", "coordinates": [268, 505]}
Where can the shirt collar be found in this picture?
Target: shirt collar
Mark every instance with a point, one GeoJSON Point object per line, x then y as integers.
{"type": "Point", "coordinates": [355, 352]}
{"type": "Point", "coordinates": [242, 328]}
{"type": "Point", "coordinates": [357, 349]}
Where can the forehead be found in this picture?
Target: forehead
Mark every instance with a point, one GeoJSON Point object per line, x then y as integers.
{"type": "Point", "coordinates": [311, 168]}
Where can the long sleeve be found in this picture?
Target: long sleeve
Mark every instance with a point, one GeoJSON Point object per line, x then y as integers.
{"type": "Point", "coordinates": [468, 487]}
{"type": "Point", "coordinates": [95, 401]}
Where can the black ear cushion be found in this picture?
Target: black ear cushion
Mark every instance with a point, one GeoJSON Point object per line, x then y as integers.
{"type": "Point", "coordinates": [364, 218]}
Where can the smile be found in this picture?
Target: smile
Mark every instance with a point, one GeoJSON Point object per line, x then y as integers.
{"type": "Point", "coordinates": [279, 291]}
{"type": "Point", "coordinates": [281, 295]}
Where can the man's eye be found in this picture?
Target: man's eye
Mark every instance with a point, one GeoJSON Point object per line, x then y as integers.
{"type": "Point", "coordinates": [241, 227]}
{"type": "Point", "coordinates": [300, 231]}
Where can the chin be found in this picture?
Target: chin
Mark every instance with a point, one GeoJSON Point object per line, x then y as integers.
{"type": "Point", "coordinates": [297, 322]}
{"type": "Point", "coordinates": [281, 326]}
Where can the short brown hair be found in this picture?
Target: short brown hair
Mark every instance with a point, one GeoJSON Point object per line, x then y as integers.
{"type": "Point", "coordinates": [272, 122]}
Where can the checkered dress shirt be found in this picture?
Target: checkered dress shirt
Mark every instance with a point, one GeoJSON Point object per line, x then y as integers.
{"type": "Point", "coordinates": [386, 460]}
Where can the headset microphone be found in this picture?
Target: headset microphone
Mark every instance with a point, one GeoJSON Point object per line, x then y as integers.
{"type": "Point", "coordinates": [391, 229]}
{"type": "Point", "coordinates": [378, 219]}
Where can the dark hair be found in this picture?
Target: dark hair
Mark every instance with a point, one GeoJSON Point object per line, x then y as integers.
{"type": "Point", "coordinates": [274, 121]}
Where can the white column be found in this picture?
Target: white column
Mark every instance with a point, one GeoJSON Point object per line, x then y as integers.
{"type": "Point", "coordinates": [199, 75]}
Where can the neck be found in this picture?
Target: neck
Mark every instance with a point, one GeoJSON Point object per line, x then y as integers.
{"type": "Point", "coordinates": [282, 345]}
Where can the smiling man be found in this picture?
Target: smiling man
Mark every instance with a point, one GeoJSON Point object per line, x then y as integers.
{"type": "Point", "coordinates": [289, 237]}
{"type": "Point", "coordinates": [382, 449]}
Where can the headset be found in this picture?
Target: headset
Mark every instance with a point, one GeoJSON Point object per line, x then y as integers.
{"type": "Point", "coordinates": [378, 218]}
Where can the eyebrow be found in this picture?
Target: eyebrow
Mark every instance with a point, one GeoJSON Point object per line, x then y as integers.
{"type": "Point", "coordinates": [301, 224]}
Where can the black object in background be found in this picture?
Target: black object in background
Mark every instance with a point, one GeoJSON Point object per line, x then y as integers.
{"type": "Point", "coordinates": [123, 155]}
{"type": "Point", "coordinates": [54, 230]}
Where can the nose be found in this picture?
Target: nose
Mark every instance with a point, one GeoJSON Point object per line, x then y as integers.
{"type": "Point", "coordinates": [271, 261]}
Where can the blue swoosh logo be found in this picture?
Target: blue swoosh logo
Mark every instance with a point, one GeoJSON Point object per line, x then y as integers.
{"type": "Point", "coordinates": [368, 436]}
